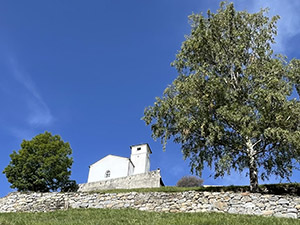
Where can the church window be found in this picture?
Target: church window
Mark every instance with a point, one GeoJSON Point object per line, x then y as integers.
{"type": "Point", "coordinates": [107, 174]}
{"type": "Point", "coordinates": [138, 148]}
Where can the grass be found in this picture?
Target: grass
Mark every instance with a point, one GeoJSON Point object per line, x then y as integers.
{"type": "Point", "coordinates": [131, 216]}
{"type": "Point", "coordinates": [169, 189]}
{"type": "Point", "coordinates": [159, 189]}
{"type": "Point", "coordinates": [289, 188]}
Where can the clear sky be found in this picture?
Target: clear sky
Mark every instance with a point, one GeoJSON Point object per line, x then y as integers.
{"type": "Point", "coordinates": [87, 69]}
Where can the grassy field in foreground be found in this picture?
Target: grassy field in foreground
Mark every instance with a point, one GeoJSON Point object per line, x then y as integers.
{"type": "Point", "coordinates": [130, 216]}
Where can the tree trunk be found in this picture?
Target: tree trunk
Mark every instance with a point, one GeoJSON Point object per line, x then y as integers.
{"type": "Point", "coordinates": [253, 175]}
{"type": "Point", "coordinates": [253, 172]}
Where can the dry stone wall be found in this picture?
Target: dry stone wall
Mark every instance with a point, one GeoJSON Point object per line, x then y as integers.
{"type": "Point", "coordinates": [191, 201]}
{"type": "Point", "coordinates": [144, 180]}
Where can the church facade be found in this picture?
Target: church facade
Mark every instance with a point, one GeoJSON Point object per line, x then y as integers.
{"type": "Point", "coordinates": [116, 172]}
{"type": "Point", "coordinates": [113, 166]}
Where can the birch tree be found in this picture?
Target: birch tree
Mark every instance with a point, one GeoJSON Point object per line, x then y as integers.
{"type": "Point", "coordinates": [232, 105]}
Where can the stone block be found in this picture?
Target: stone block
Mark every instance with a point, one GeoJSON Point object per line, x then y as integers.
{"type": "Point", "coordinates": [267, 213]}
{"type": "Point", "coordinates": [249, 205]}
{"type": "Point", "coordinates": [283, 201]}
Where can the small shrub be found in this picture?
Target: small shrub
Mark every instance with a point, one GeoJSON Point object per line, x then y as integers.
{"type": "Point", "coordinates": [70, 186]}
{"type": "Point", "coordinates": [189, 181]}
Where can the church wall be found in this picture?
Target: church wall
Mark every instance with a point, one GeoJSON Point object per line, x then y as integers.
{"type": "Point", "coordinates": [140, 158]}
{"type": "Point", "coordinates": [118, 167]}
{"type": "Point", "coordinates": [131, 168]}
{"type": "Point", "coordinates": [139, 161]}
{"type": "Point", "coordinates": [190, 201]}
{"type": "Point", "coordinates": [145, 180]}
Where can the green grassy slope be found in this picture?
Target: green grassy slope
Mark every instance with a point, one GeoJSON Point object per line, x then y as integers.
{"type": "Point", "coordinates": [130, 216]}
{"type": "Point", "coordinates": [278, 189]}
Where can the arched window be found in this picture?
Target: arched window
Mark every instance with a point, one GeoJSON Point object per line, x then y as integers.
{"type": "Point", "coordinates": [107, 174]}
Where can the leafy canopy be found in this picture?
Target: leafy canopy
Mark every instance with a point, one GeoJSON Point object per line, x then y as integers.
{"type": "Point", "coordinates": [42, 164]}
{"type": "Point", "coordinates": [230, 106]}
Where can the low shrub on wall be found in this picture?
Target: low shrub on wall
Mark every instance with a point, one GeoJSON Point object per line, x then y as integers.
{"type": "Point", "coordinates": [190, 181]}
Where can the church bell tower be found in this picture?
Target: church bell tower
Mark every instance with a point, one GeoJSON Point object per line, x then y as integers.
{"type": "Point", "coordinates": [140, 157]}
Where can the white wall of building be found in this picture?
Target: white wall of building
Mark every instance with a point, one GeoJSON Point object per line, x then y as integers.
{"type": "Point", "coordinates": [116, 165]}
{"type": "Point", "coordinates": [140, 157]}
{"type": "Point", "coordinates": [113, 166]}
{"type": "Point", "coordinates": [131, 168]}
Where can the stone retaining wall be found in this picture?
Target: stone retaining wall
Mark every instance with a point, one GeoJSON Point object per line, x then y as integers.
{"type": "Point", "coordinates": [191, 201]}
{"type": "Point", "coordinates": [144, 180]}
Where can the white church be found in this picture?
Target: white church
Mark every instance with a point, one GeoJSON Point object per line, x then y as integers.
{"type": "Point", "coordinates": [116, 172]}
{"type": "Point", "coordinates": [112, 166]}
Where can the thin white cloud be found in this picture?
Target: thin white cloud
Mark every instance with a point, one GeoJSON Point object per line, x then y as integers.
{"type": "Point", "coordinates": [21, 133]}
{"type": "Point", "coordinates": [289, 23]}
{"type": "Point", "coordinates": [39, 113]}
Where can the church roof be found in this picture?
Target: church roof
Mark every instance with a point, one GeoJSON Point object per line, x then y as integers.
{"type": "Point", "coordinates": [111, 156]}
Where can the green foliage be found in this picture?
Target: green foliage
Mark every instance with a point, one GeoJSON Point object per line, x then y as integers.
{"type": "Point", "coordinates": [131, 216]}
{"type": "Point", "coordinates": [189, 181]}
{"type": "Point", "coordinates": [230, 106]}
{"type": "Point", "coordinates": [42, 164]}
{"type": "Point", "coordinates": [70, 186]}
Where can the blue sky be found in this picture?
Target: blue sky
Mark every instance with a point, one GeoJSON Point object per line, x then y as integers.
{"type": "Point", "coordinates": [87, 69]}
